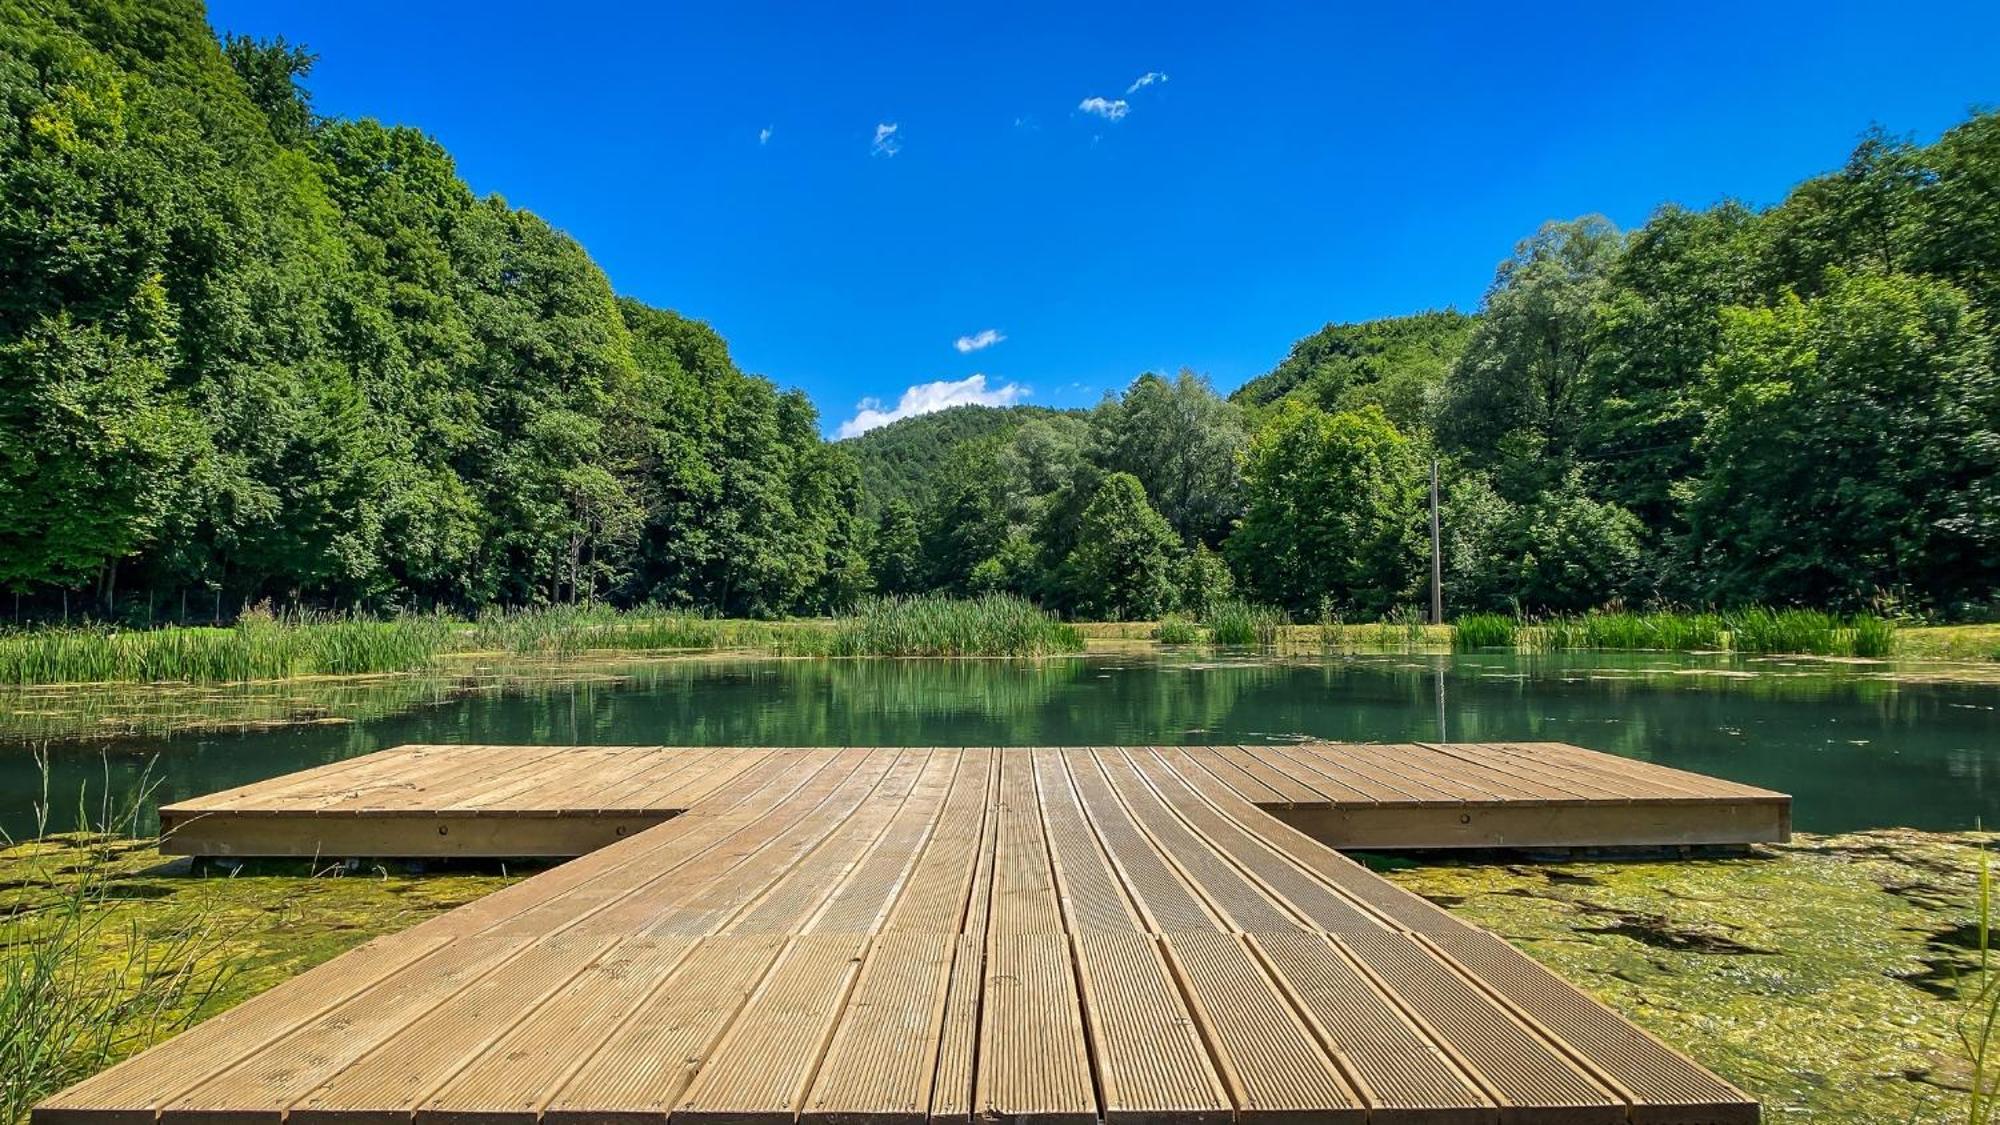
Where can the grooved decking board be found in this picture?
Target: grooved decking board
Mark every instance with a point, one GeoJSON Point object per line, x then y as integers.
{"type": "Point", "coordinates": [1055, 936]}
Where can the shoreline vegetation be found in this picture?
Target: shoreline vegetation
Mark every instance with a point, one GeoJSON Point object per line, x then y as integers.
{"type": "Point", "coordinates": [264, 646]}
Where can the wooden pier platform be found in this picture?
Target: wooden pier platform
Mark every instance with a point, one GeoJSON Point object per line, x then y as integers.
{"type": "Point", "coordinates": [559, 801]}
{"type": "Point", "coordinates": [907, 936]}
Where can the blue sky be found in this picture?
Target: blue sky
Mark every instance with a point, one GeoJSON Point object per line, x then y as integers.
{"type": "Point", "coordinates": [1289, 165]}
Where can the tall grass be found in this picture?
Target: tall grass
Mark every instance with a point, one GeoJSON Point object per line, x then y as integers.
{"type": "Point", "coordinates": [1482, 630]}
{"type": "Point", "coordinates": [934, 625]}
{"type": "Point", "coordinates": [1753, 630]}
{"type": "Point", "coordinates": [1979, 1012]}
{"type": "Point", "coordinates": [258, 647]}
{"type": "Point", "coordinates": [77, 993]}
{"type": "Point", "coordinates": [1240, 623]}
{"type": "Point", "coordinates": [1177, 630]}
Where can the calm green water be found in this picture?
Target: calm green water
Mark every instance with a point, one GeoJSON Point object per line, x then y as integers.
{"type": "Point", "coordinates": [1856, 750]}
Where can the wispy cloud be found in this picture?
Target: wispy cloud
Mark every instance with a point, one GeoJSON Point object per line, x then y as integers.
{"type": "Point", "coordinates": [886, 142]}
{"type": "Point", "coordinates": [1111, 109]}
{"type": "Point", "coordinates": [1143, 81]}
{"type": "Point", "coordinates": [764, 135]}
{"type": "Point", "coordinates": [984, 338]}
{"type": "Point", "coordinates": [929, 398]}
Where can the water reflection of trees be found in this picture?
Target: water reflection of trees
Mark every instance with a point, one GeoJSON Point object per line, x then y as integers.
{"type": "Point", "coordinates": [1850, 745]}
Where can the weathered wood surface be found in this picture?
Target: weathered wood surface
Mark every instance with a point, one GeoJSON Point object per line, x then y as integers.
{"type": "Point", "coordinates": [901, 936]}
{"type": "Point", "coordinates": [501, 801]}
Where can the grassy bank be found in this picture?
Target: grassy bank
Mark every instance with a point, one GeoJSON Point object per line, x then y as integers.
{"type": "Point", "coordinates": [262, 646]}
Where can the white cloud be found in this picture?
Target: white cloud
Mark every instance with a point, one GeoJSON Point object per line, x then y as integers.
{"type": "Point", "coordinates": [764, 135]}
{"type": "Point", "coordinates": [985, 338]}
{"type": "Point", "coordinates": [1143, 81]}
{"type": "Point", "coordinates": [1110, 110]}
{"type": "Point", "coordinates": [929, 398]}
{"type": "Point", "coordinates": [886, 143]}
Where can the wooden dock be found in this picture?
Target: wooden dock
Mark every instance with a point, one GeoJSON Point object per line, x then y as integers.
{"type": "Point", "coordinates": [904, 936]}
{"type": "Point", "coordinates": [558, 801]}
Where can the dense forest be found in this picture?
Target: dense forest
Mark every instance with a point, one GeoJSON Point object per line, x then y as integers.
{"type": "Point", "coordinates": [249, 351]}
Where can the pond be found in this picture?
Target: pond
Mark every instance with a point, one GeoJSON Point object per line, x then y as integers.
{"type": "Point", "coordinates": [1857, 747]}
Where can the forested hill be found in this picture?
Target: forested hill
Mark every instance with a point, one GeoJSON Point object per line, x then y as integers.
{"type": "Point", "coordinates": [900, 462]}
{"type": "Point", "coordinates": [1392, 362]}
{"type": "Point", "coordinates": [250, 351]}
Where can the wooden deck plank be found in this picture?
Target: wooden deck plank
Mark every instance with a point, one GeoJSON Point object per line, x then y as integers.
{"type": "Point", "coordinates": [953, 1095]}
{"type": "Point", "coordinates": [1238, 901]}
{"type": "Point", "coordinates": [1514, 1065]}
{"type": "Point", "coordinates": [1398, 1071]}
{"type": "Point", "coordinates": [1226, 772]}
{"type": "Point", "coordinates": [1024, 894]}
{"type": "Point", "coordinates": [511, 1081]}
{"type": "Point", "coordinates": [639, 1072]}
{"type": "Point", "coordinates": [1166, 902]}
{"type": "Point", "coordinates": [1093, 899]}
{"type": "Point", "coordinates": [809, 882]}
{"type": "Point", "coordinates": [1275, 1069]}
{"type": "Point", "coordinates": [1126, 936]}
{"type": "Point", "coordinates": [1283, 879]}
{"type": "Point", "coordinates": [1392, 903]}
{"type": "Point", "coordinates": [759, 1073]}
{"type": "Point", "coordinates": [1291, 783]}
{"type": "Point", "coordinates": [1034, 1064]}
{"type": "Point", "coordinates": [406, 1066]}
{"type": "Point", "coordinates": [1666, 1088]}
{"type": "Point", "coordinates": [1561, 784]}
{"type": "Point", "coordinates": [1469, 781]}
{"type": "Point", "coordinates": [1151, 1063]}
{"type": "Point", "coordinates": [882, 1061]}
{"type": "Point", "coordinates": [268, 1075]}
{"type": "Point", "coordinates": [877, 882]}
{"type": "Point", "coordinates": [1337, 765]}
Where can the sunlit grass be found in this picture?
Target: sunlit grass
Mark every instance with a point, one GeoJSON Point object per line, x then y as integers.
{"type": "Point", "coordinates": [77, 990]}
{"type": "Point", "coordinates": [1243, 624]}
{"type": "Point", "coordinates": [1752, 630]}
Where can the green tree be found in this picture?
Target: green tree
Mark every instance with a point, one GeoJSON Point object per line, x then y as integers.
{"type": "Point", "coordinates": [1525, 364]}
{"type": "Point", "coordinates": [1183, 443]}
{"type": "Point", "coordinates": [897, 553]}
{"type": "Point", "coordinates": [1333, 510]}
{"type": "Point", "coordinates": [1852, 444]}
{"type": "Point", "coordinates": [1123, 567]}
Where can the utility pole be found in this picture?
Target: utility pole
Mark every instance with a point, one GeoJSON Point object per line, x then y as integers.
{"type": "Point", "coordinates": [1437, 553]}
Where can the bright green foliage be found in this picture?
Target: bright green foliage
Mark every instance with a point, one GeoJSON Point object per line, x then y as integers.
{"type": "Point", "coordinates": [1395, 363]}
{"type": "Point", "coordinates": [1516, 394]}
{"type": "Point", "coordinates": [1182, 442]}
{"type": "Point", "coordinates": [1332, 510]}
{"type": "Point", "coordinates": [249, 352]}
{"type": "Point", "coordinates": [1852, 442]}
{"type": "Point", "coordinates": [1245, 623]}
{"type": "Point", "coordinates": [1575, 552]}
{"type": "Point", "coordinates": [897, 553]}
{"type": "Point", "coordinates": [1123, 567]}
{"type": "Point", "coordinates": [1202, 581]}
{"type": "Point", "coordinates": [900, 461]}
{"type": "Point", "coordinates": [1482, 630]}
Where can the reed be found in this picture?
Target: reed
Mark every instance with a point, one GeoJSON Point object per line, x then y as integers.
{"type": "Point", "coordinates": [1177, 630]}
{"type": "Point", "coordinates": [934, 625]}
{"type": "Point", "coordinates": [1756, 629]}
{"type": "Point", "coordinates": [1245, 624]}
{"type": "Point", "coordinates": [66, 1012]}
{"type": "Point", "coordinates": [1482, 630]}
